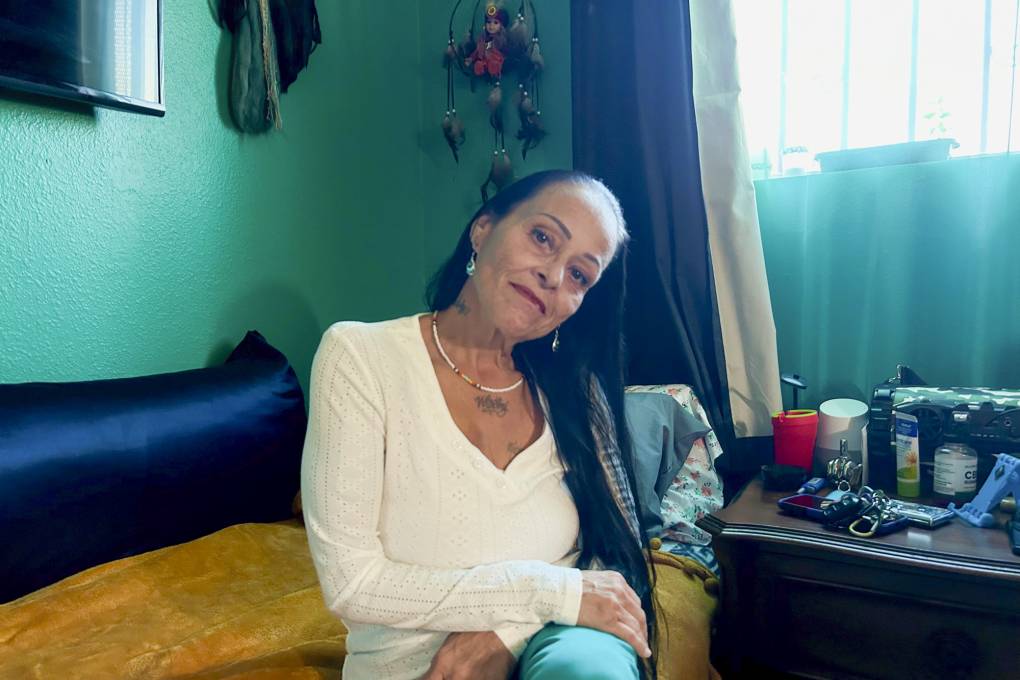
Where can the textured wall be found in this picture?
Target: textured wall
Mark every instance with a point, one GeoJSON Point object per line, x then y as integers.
{"type": "Point", "coordinates": [133, 245]}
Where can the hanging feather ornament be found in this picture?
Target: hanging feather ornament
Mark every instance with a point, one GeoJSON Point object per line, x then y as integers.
{"type": "Point", "coordinates": [467, 45]}
{"type": "Point", "coordinates": [452, 125]}
{"type": "Point", "coordinates": [488, 55]}
{"type": "Point", "coordinates": [495, 104]}
{"type": "Point", "coordinates": [255, 71]}
{"type": "Point", "coordinates": [450, 55]}
{"type": "Point", "coordinates": [535, 64]}
{"type": "Point", "coordinates": [464, 61]}
{"type": "Point", "coordinates": [503, 170]}
{"type": "Point", "coordinates": [535, 56]}
{"type": "Point", "coordinates": [519, 36]}
{"type": "Point", "coordinates": [495, 99]}
{"type": "Point", "coordinates": [453, 131]}
{"type": "Point", "coordinates": [532, 130]}
{"type": "Point", "coordinates": [501, 173]}
{"type": "Point", "coordinates": [525, 104]}
{"type": "Point", "coordinates": [269, 58]}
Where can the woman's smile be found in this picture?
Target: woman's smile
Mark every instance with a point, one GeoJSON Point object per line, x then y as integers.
{"type": "Point", "coordinates": [530, 297]}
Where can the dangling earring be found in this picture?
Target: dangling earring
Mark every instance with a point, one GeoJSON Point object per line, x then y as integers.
{"type": "Point", "coordinates": [556, 341]}
{"type": "Point", "coordinates": [470, 268]}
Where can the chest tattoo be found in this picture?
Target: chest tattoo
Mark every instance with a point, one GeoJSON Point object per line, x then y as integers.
{"type": "Point", "coordinates": [490, 405]}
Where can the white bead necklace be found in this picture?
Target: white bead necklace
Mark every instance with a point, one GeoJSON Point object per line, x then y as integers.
{"type": "Point", "coordinates": [469, 381]}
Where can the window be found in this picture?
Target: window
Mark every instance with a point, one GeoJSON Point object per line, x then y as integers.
{"type": "Point", "coordinates": [823, 75]}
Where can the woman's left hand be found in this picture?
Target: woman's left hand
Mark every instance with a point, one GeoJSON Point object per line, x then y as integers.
{"type": "Point", "coordinates": [471, 656]}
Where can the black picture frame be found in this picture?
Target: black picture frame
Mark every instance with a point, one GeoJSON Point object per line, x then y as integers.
{"type": "Point", "coordinates": [87, 95]}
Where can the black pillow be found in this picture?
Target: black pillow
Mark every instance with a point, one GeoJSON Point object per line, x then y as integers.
{"type": "Point", "coordinates": [95, 471]}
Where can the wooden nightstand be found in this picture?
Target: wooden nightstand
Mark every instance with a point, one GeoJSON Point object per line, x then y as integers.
{"type": "Point", "coordinates": [800, 599]}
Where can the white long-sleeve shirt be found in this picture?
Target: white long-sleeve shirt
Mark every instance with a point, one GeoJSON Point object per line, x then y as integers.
{"type": "Point", "coordinates": [413, 531]}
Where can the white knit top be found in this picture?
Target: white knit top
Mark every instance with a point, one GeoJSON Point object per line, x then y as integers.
{"type": "Point", "coordinates": [413, 531]}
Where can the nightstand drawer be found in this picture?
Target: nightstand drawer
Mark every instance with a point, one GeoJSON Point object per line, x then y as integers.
{"type": "Point", "coordinates": [829, 630]}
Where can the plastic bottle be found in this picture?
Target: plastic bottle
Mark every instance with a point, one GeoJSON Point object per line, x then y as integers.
{"type": "Point", "coordinates": [908, 459]}
{"type": "Point", "coordinates": [955, 472]}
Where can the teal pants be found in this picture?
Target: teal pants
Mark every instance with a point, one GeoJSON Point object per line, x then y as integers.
{"type": "Point", "coordinates": [576, 653]}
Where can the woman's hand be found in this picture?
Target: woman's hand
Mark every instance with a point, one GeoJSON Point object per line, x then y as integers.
{"type": "Point", "coordinates": [471, 656]}
{"type": "Point", "coordinates": [609, 604]}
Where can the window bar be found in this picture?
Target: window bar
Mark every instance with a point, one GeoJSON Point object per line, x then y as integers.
{"type": "Point", "coordinates": [986, 66]}
{"type": "Point", "coordinates": [783, 59]}
{"type": "Point", "coordinates": [915, 30]}
{"type": "Point", "coordinates": [845, 114]}
{"type": "Point", "coordinates": [1012, 79]}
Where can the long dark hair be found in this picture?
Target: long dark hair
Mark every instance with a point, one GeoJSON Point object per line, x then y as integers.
{"type": "Point", "coordinates": [591, 357]}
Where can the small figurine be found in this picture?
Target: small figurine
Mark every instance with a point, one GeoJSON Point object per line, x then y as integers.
{"type": "Point", "coordinates": [488, 57]}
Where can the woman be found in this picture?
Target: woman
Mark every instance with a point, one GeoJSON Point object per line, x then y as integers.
{"type": "Point", "coordinates": [466, 476]}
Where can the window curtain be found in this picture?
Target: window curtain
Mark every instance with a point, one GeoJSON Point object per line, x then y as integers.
{"type": "Point", "coordinates": [697, 309]}
{"type": "Point", "coordinates": [906, 264]}
{"type": "Point", "coordinates": [743, 300]}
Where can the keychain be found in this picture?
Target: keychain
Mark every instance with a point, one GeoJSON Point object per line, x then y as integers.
{"type": "Point", "coordinates": [878, 513]}
{"type": "Point", "coordinates": [864, 514]}
{"type": "Point", "coordinates": [844, 474]}
{"type": "Point", "coordinates": [840, 513]}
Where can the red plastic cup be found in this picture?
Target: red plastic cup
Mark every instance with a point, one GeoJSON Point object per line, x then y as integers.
{"type": "Point", "coordinates": [793, 435]}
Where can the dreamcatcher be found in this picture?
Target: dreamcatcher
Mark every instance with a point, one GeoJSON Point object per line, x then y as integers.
{"type": "Point", "coordinates": [501, 49]}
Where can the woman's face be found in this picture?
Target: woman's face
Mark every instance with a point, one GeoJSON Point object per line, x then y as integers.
{"type": "Point", "coordinates": [535, 266]}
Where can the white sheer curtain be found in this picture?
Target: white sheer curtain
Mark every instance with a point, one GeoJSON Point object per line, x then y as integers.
{"type": "Point", "coordinates": [745, 308]}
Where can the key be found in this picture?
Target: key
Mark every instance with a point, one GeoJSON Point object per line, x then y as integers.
{"type": "Point", "coordinates": [848, 507]}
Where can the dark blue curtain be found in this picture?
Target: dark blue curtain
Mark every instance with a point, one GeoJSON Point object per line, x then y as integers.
{"type": "Point", "coordinates": [634, 127]}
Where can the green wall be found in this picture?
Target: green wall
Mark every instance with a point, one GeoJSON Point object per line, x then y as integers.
{"type": "Point", "coordinates": [132, 245]}
{"type": "Point", "coordinates": [913, 264]}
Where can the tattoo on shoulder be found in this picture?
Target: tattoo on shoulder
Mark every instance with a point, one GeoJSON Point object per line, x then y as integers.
{"type": "Point", "coordinates": [461, 307]}
{"type": "Point", "coordinates": [490, 405]}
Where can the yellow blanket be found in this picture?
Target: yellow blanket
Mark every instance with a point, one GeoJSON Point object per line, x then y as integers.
{"type": "Point", "coordinates": [244, 602]}
{"type": "Point", "coordinates": [686, 594]}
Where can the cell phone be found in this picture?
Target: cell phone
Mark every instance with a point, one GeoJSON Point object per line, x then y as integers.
{"type": "Point", "coordinates": [926, 516]}
{"type": "Point", "coordinates": [806, 505]}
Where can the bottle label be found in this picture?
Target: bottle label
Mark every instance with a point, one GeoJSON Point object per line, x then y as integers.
{"type": "Point", "coordinates": [955, 474]}
{"type": "Point", "coordinates": [908, 469]}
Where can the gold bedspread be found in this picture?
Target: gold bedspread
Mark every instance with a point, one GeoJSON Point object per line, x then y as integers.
{"type": "Point", "coordinates": [245, 602]}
